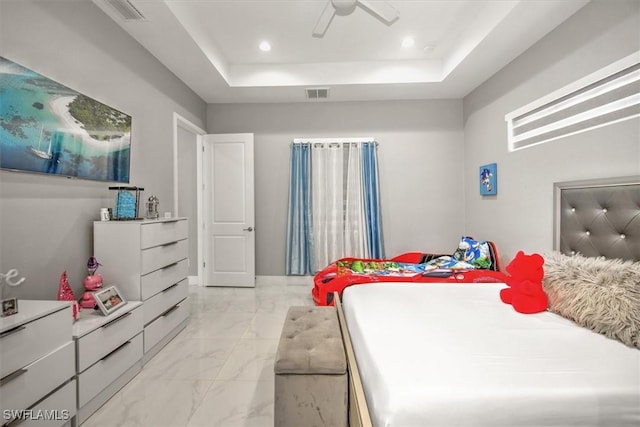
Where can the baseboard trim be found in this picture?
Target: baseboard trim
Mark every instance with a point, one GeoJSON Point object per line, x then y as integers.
{"type": "Point", "coordinates": [284, 280]}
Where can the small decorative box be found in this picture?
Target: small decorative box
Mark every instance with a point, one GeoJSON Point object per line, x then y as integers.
{"type": "Point", "coordinates": [127, 203]}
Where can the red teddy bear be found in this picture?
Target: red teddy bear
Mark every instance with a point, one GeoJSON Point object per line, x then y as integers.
{"type": "Point", "coordinates": [525, 292]}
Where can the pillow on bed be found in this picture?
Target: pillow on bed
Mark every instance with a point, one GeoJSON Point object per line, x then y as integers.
{"type": "Point", "coordinates": [473, 252]}
{"type": "Point", "coordinates": [597, 293]}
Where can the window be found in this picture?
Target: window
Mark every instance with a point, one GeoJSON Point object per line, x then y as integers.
{"type": "Point", "coordinates": [607, 96]}
{"type": "Point", "coordinates": [334, 203]}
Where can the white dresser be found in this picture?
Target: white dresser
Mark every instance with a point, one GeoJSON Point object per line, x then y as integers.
{"type": "Point", "coordinates": [108, 354]}
{"type": "Point", "coordinates": [147, 261]}
{"type": "Point", "coordinates": [37, 365]}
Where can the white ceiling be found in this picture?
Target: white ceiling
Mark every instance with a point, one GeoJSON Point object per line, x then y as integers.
{"type": "Point", "coordinates": [212, 45]}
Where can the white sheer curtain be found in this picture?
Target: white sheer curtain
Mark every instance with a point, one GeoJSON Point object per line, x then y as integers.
{"type": "Point", "coordinates": [355, 233]}
{"type": "Point", "coordinates": [327, 201]}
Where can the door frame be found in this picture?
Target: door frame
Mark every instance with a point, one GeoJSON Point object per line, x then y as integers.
{"type": "Point", "coordinates": [181, 122]}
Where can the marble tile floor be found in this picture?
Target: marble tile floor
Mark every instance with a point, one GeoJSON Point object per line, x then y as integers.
{"type": "Point", "coordinates": [218, 371]}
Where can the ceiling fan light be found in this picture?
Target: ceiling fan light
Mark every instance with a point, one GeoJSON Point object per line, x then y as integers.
{"type": "Point", "coordinates": [346, 6]}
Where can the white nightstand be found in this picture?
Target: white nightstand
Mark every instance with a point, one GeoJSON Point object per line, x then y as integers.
{"type": "Point", "coordinates": [108, 354]}
{"type": "Point", "coordinates": [37, 367]}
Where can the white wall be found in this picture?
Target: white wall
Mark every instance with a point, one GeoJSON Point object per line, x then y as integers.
{"type": "Point", "coordinates": [520, 216]}
{"type": "Point", "coordinates": [420, 156]}
{"type": "Point", "coordinates": [46, 221]}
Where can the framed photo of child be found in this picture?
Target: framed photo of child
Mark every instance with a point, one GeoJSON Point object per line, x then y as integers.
{"type": "Point", "coordinates": [109, 300]}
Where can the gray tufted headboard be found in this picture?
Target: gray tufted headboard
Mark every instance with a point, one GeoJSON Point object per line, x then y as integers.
{"type": "Point", "coordinates": [598, 218]}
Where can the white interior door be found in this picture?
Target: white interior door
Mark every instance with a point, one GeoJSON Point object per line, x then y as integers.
{"type": "Point", "coordinates": [229, 210]}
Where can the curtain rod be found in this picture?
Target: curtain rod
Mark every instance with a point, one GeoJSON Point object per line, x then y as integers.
{"type": "Point", "coordinates": [331, 140]}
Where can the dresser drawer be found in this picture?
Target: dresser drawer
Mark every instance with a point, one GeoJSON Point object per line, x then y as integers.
{"type": "Point", "coordinates": [107, 369]}
{"type": "Point", "coordinates": [160, 327]}
{"type": "Point", "coordinates": [102, 341]}
{"type": "Point", "coordinates": [28, 342]}
{"type": "Point", "coordinates": [60, 406]}
{"type": "Point", "coordinates": [24, 387]}
{"type": "Point", "coordinates": [161, 256]}
{"type": "Point", "coordinates": [159, 280]}
{"type": "Point", "coordinates": [164, 300]}
{"type": "Point", "coordinates": [159, 233]}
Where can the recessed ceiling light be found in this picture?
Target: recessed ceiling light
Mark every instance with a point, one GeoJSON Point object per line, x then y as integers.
{"type": "Point", "coordinates": [408, 42]}
{"type": "Point", "coordinates": [265, 46]}
{"type": "Point", "coordinates": [429, 48]}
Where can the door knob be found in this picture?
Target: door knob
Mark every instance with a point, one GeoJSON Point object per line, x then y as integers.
{"type": "Point", "coordinates": [248, 229]}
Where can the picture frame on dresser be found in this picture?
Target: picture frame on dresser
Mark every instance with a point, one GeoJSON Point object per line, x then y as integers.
{"type": "Point", "coordinates": [9, 307]}
{"type": "Point", "coordinates": [109, 300]}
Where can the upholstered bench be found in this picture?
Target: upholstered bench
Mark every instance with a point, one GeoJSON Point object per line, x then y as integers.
{"type": "Point", "coordinates": [311, 370]}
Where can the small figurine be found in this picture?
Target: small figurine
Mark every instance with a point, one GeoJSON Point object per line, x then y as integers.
{"type": "Point", "coordinates": [152, 208]}
{"type": "Point", "coordinates": [65, 293]}
{"type": "Point", "coordinates": [92, 283]}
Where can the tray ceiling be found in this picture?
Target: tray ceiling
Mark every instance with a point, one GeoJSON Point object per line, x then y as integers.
{"type": "Point", "coordinates": [213, 45]}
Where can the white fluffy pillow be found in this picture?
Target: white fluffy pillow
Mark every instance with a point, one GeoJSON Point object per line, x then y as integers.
{"type": "Point", "coordinates": [597, 293]}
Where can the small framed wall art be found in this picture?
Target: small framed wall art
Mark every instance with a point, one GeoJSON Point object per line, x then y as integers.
{"type": "Point", "coordinates": [489, 179]}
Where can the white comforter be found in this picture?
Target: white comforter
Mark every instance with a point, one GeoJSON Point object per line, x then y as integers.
{"type": "Point", "coordinates": [455, 355]}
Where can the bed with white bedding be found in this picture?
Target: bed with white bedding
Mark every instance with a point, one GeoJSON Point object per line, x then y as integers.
{"type": "Point", "coordinates": [454, 355]}
{"type": "Point", "coordinates": [474, 361]}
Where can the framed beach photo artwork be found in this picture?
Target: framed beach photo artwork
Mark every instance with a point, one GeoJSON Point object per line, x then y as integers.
{"type": "Point", "coordinates": [46, 127]}
{"type": "Point", "coordinates": [489, 179]}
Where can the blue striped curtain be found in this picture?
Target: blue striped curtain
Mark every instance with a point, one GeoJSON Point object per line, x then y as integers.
{"type": "Point", "coordinates": [298, 259]}
{"type": "Point", "coordinates": [371, 192]}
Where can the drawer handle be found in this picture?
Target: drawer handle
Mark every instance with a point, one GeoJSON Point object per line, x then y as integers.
{"type": "Point", "coordinates": [13, 376]}
{"type": "Point", "coordinates": [171, 310]}
{"type": "Point", "coordinates": [117, 349]}
{"type": "Point", "coordinates": [169, 221]}
{"type": "Point", "coordinates": [169, 244]}
{"type": "Point", "coordinates": [106, 325]}
{"type": "Point", "coordinates": [166, 267]}
{"type": "Point", "coordinates": [171, 287]}
{"type": "Point", "coordinates": [12, 331]}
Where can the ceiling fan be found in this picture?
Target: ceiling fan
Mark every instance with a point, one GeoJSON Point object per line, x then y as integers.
{"type": "Point", "coordinates": [380, 9]}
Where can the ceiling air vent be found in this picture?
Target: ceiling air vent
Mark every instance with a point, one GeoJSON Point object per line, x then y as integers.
{"type": "Point", "coordinates": [126, 10]}
{"type": "Point", "coordinates": [317, 93]}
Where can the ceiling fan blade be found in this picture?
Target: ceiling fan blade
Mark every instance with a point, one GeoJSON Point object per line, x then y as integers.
{"type": "Point", "coordinates": [324, 21]}
{"type": "Point", "coordinates": [381, 9]}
